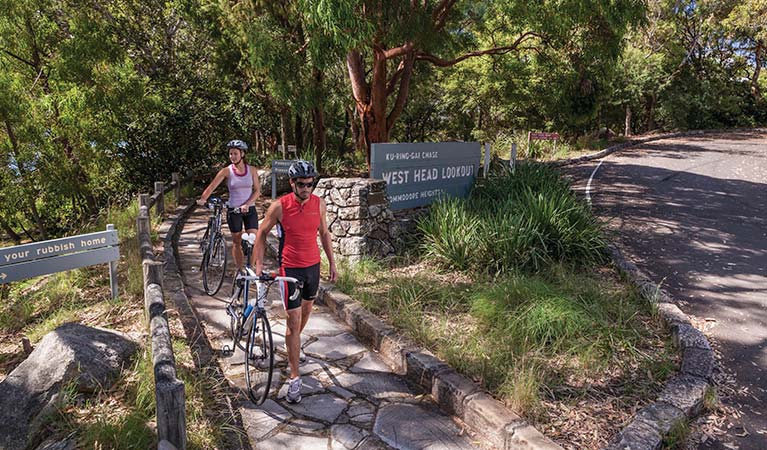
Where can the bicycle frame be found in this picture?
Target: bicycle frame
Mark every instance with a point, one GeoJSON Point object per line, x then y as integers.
{"type": "Point", "coordinates": [250, 312]}
{"type": "Point", "coordinates": [251, 321]}
{"type": "Point", "coordinates": [214, 222]}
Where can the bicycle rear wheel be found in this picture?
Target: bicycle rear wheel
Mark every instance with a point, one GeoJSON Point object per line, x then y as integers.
{"type": "Point", "coordinates": [259, 360]}
{"type": "Point", "coordinates": [214, 266]}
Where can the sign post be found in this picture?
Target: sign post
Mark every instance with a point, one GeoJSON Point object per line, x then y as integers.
{"type": "Point", "coordinates": [513, 157]}
{"type": "Point", "coordinates": [41, 258]}
{"type": "Point", "coordinates": [487, 158]}
{"type": "Point", "coordinates": [279, 166]}
{"type": "Point", "coordinates": [112, 269]}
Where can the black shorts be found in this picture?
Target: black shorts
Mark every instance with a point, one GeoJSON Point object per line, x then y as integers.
{"type": "Point", "coordinates": [235, 220]}
{"type": "Point", "coordinates": [310, 276]}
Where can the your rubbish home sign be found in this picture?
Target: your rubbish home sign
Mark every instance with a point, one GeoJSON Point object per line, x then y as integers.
{"type": "Point", "coordinates": [417, 174]}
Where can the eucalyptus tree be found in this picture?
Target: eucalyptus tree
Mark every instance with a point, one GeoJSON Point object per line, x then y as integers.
{"type": "Point", "coordinates": [266, 45]}
{"type": "Point", "coordinates": [746, 23]}
{"type": "Point", "coordinates": [61, 75]}
{"type": "Point", "coordinates": [383, 42]}
{"type": "Point", "coordinates": [688, 67]}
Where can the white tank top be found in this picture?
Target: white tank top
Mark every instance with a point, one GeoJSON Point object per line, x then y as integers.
{"type": "Point", "coordinates": [240, 186]}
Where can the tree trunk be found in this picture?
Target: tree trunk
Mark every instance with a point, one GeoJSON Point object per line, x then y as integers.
{"type": "Point", "coordinates": [651, 113]}
{"type": "Point", "coordinates": [9, 231]}
{"type": "Point", "coordinates": [284, 131]}
{"type": "Point", "coordinates": [343, 150]}
{"type": "Point", "coordinates": [757, 70]}
{"type": "Point", "coordinates": [299, 129]}
{"type": "Point", "coordinates": [627, 128]}
{"type": "Point", "coordinates": [358, 140]}
{"type": "Point", "coordinates": [319, 136]}
{"type": "Point", "coordinates": [257, 142]}
{"type": "Point", "coordinates": [371, 99]}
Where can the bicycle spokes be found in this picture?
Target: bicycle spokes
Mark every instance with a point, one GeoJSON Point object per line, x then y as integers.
{"type": "Point", "coordinates": [259, 361]}
{"type": "Point", "coordinates": [214, 265]}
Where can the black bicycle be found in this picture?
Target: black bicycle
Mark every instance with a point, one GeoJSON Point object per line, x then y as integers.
{"type": "Point", "coordinates": [248, 319]}
{"type": "Point", "coordinates": [213, 248]}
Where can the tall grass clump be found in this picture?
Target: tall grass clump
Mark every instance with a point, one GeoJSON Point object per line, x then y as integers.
{"type": "Point", "coordinates": [353, 273]}
{"type": "Point", "coordinates": [526, 220]}
{"type": "Point", "coordinates": [451, 234]}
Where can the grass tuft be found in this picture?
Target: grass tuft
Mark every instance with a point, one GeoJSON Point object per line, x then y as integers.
{"type": "Point", "coordinates": [528, 220]}
{"type": "Point", "coordinates": [677, 436]}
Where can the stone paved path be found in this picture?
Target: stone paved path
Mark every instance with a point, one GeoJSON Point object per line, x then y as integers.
{"type": "Point", "coordinates": [351, 398]}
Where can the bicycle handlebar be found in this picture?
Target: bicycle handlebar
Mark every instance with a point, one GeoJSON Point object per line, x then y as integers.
{"type": "Point", "coordinates": [267, 277]}
{"type": "Point", "coordinates": [214, 202]}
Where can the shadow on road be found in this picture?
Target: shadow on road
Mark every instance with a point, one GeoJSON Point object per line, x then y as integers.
{"type": "Point", "coordinates": [691, 215]}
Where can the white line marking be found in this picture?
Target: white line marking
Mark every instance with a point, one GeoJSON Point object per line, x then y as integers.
{"type": "Point", "coordinates": [588, 185]}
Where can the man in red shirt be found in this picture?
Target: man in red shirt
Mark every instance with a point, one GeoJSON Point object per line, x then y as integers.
{"type": "Point", "coordinates": [299, 216]}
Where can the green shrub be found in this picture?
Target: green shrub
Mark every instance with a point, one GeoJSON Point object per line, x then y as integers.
{"type": "Point", "coordinates": [526, 220]}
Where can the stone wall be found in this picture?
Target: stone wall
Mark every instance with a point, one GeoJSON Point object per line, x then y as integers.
{"type": "Point", "coordinates": [359, 217]}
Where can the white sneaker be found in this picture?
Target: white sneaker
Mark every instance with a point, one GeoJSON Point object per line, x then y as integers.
{"type": "Point", "coordinates": [294, 391]}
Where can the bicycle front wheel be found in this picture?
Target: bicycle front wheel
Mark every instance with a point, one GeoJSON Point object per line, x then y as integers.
{"type": "Point", "coordinates": [259, 360]}
{"type": "Point", "coordinates": [214, 266]}
{"type": "Point", "coordinates": [234, 310]}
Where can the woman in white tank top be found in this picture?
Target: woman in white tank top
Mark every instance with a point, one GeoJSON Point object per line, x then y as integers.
{"type": "Point", "coordinates": [244, 189]}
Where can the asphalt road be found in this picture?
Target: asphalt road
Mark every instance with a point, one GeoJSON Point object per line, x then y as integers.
{"type": "Point", "coordinates": [692, 213]}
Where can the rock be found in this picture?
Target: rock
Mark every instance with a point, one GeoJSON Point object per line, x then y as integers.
{"type": "Point", "coordinates": [289, 441]}
{"type": "Point", "coordinates": [260, 421]}
{"type": "Point", "coordinates": [323, 407]}
{"type": "Point", "coordinates": [53, 444]}
{"type": "Point", "coordinates": [375, 385]}
{"type": "Point", "coordinates": [88, 358]}
{"type": "Point", "coordinates": [346, 436]}
{"type": "Point", "coordinates": [412, 427]}
{"type": "Point", "coordinates": [686, 393]}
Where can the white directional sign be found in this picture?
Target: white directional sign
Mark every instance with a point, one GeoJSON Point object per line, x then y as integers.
{"type": "Point", "coordinates": [39, 258]}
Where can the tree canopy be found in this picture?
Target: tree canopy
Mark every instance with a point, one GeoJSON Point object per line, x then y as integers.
{"type": "Point", "coordinates": [97, 100]}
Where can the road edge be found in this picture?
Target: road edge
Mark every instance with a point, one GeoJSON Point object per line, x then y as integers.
{"type": "Point", "coordinates": [641, 140]}
{"type": "Point", "coordinates": [684, 396]}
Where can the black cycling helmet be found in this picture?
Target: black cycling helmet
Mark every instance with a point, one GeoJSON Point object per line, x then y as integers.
{"type": "Point", "coordinates": [302, 169]}
{"type": "Point", "coordinates": [236, 143]}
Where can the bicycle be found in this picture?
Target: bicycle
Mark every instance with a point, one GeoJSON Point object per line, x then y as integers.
{"type": "Point", "coordinates": [249, 318]}
{"type": "Point", "coordinates": [213, 248]}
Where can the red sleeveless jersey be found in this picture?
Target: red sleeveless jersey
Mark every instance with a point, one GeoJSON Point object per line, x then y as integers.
{"type": "Point", "coordinates": [298, 231]}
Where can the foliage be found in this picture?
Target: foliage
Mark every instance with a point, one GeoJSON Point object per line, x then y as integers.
{"type": "Point", "coordinates": [98, 103]}
{"type": "Point", "coordinates": [527, 220]}
{"type": "Point", "coordinates": [526, 338]}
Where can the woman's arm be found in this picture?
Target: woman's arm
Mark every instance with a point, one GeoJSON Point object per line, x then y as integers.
{"type": "Point", "coordinates": [220, 176]}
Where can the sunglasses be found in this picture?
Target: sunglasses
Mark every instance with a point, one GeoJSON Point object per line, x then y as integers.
{"type": "Point", "coordinates": [304, 185]}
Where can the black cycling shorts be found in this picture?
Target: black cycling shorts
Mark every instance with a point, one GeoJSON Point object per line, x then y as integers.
{"type": "Point", "coordinates": [235, 220]}
{"type": "Point", "coordinates": [310, 276]}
